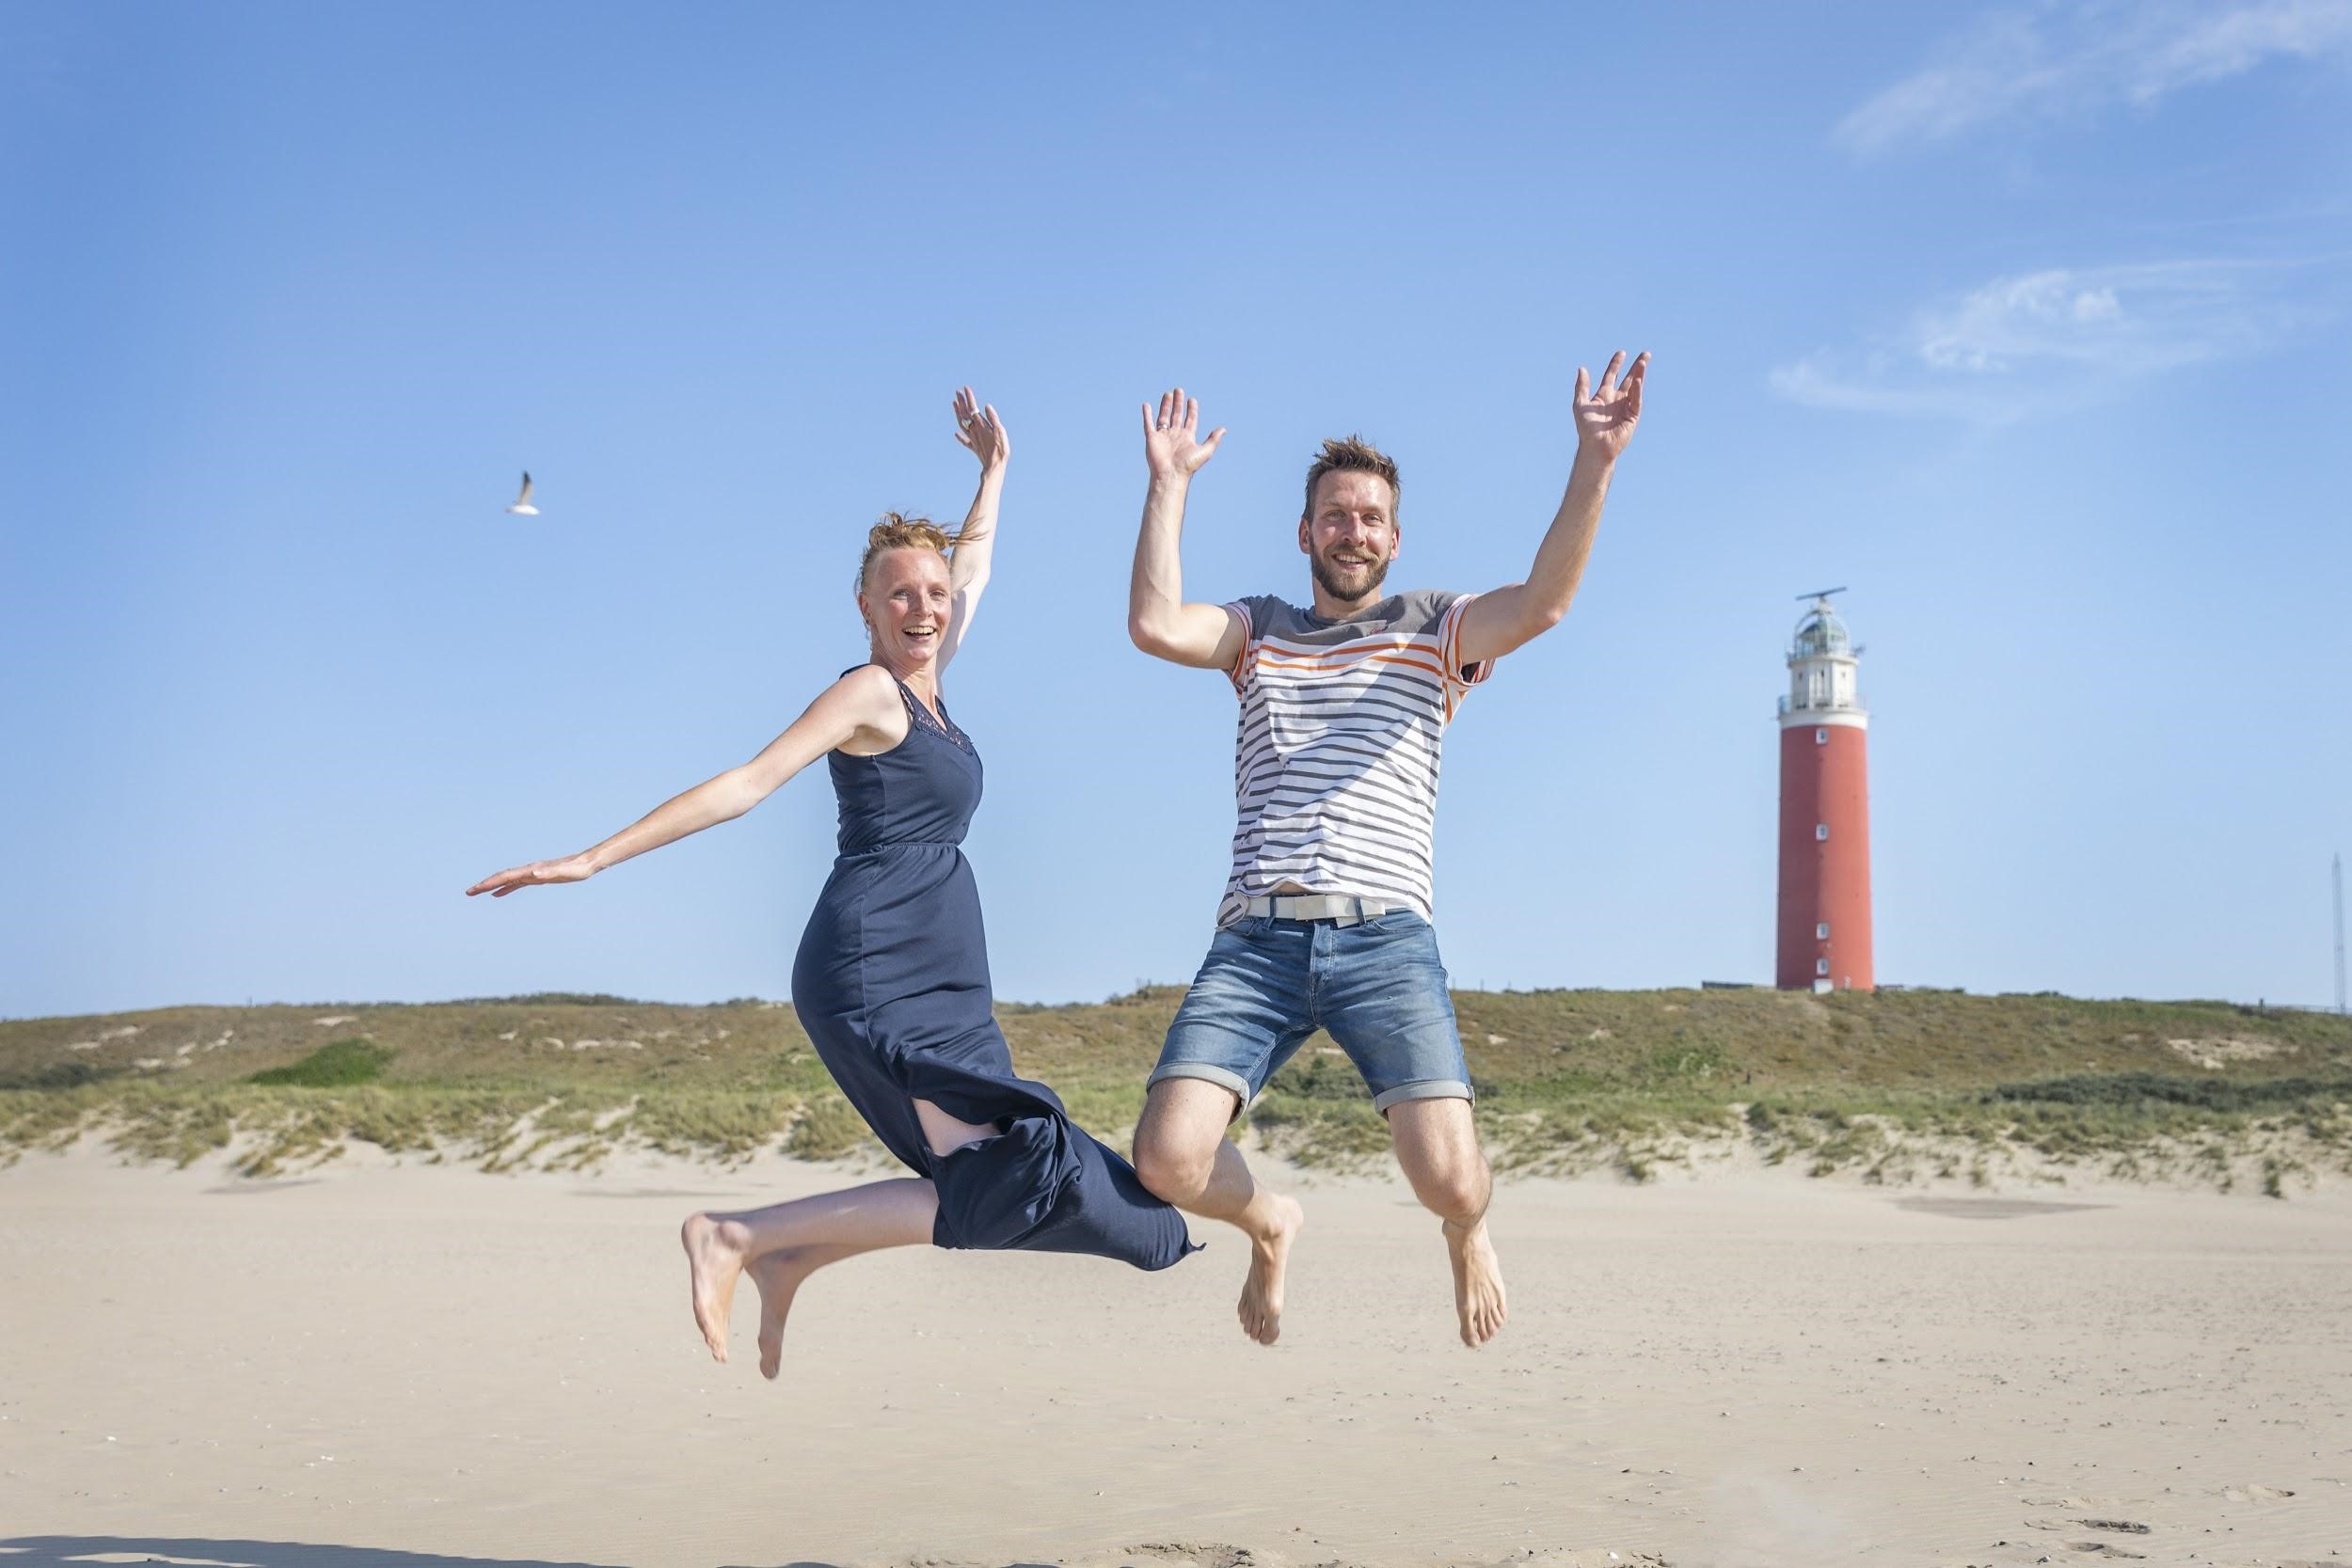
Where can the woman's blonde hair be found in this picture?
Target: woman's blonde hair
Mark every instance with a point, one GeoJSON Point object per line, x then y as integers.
{"type": "Point", "coordinates": [896, 532]}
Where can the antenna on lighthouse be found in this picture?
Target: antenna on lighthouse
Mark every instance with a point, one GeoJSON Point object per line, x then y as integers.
{"type": "Point", "coordinates": [1820, 593]}
{"type": "Point", "coordinates": [2339, 880]}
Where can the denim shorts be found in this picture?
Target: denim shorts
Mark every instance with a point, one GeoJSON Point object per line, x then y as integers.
{"type": "Point", "coordinates": [1267, 984]}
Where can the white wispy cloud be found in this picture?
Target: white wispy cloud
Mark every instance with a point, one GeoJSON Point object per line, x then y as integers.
{"type": "Point", "coordinates": [2073, 60]}
{"type": "Point", "coordinates": [2059, 338]}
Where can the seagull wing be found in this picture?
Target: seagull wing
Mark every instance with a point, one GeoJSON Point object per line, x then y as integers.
{"type": "Point", "coordinates": [522, 506]}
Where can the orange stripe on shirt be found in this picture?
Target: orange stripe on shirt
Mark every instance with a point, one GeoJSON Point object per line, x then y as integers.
{"type": "Point", "coordinates": [1411, 658]}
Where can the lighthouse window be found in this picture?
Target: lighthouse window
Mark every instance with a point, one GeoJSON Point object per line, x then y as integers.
{"type": "Point", "coordinates": [1821, 737]}
{"type": "Point", "coordinates": [1820, 966]}
{"type": "Point", "coordinates": [1821, 831]}
{"type": "Point", "coordinates": [1822, 931]}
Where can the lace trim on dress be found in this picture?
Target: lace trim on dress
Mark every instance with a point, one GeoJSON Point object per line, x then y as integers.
{"type": "Point", "coordinates": [918, 714]}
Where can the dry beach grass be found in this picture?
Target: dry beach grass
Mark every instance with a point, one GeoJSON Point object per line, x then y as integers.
{"type": "Point", "coordinates": [1900, 1085]}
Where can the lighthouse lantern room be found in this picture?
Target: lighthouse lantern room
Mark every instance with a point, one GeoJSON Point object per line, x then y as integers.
{"type": "Point", "coordinates": [1824, 925]}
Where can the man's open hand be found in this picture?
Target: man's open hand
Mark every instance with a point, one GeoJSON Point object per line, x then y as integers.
{"type": "Point", "coordinates": [1170, 442]}
{"type": "Point", "coordinates": [1606, 414]}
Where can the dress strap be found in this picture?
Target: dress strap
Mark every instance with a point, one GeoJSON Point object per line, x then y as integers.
{"type": "Point", "coordinates": [942, 724]}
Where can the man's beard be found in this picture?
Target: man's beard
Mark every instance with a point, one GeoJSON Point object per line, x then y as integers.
{"type": "Point", "coordinates": [1328, 578]}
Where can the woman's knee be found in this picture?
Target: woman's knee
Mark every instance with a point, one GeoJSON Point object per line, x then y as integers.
{"type": "Point", "coordinates": [944, 1134]}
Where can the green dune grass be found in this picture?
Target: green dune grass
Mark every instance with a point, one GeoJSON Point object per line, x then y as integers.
{"type": "Point", "coordinates": [1897, 1083]}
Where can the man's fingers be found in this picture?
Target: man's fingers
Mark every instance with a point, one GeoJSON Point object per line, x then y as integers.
{"type": "Point", "coordinates": [1616, 363]}
{"type": "Point", "coordinates": [1584, 386]}
{"type": "Point", "coordinates": [1208, 447]}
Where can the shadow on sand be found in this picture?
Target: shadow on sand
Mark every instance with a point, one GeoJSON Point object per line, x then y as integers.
{"type": "Point", "coordinates": [80, 1551]}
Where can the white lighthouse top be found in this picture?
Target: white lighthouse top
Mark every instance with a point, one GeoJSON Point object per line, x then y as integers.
{"type": "Point", "coordinates": [1821, 632]}
{"type": "Point", "coordinates": [1821, 668]}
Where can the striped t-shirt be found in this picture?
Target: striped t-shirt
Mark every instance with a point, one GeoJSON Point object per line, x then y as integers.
{"type": "Point", "coordinates": [1335, 764]}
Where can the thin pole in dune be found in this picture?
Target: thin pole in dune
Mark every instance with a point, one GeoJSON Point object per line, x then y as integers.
{"type": "Point", "coordinates": [2338, 874]}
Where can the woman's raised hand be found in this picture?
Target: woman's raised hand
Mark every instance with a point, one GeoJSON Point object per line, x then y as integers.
{"type": "Point", "coordinates": [571, 868]}
{"type": "Point", "coordinates": [978, 428]}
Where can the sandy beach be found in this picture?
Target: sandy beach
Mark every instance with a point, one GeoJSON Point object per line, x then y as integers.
{"type": "Point", "coordinates": [387, 1364]}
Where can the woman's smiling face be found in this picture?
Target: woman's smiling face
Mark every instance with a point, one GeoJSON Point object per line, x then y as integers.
{"type": "Point", "coordinates": [908, 605]}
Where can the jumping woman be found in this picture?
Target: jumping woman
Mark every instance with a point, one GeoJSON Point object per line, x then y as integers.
{"type": "Point", "coordinates": [891, 980]}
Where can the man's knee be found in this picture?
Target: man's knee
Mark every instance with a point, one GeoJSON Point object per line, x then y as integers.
{"type": "Point", "coordinates": [1184, 1120]}
{"type": "Point", "coordinates": [1457, 1191]}
{"type": "Point", "coordinates": [1172, 1173]}
{"type": "Point", "coordinates": [1437, 1144]}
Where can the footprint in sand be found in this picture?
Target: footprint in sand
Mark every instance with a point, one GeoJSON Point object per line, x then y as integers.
{"type": "Point", "coordinates": [2251, 1494]}
{"type": "Point", "coordinates": [2119, 1526]}
{"type": "Point", "coordinates": [1194, 1554]}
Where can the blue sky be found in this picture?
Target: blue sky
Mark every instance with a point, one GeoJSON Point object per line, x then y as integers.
{"type": "Point", "coordinates": [2027, 322]}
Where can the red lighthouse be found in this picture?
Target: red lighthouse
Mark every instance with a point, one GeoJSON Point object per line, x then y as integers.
{"type": "Point", "coordinates": [1824, 812]}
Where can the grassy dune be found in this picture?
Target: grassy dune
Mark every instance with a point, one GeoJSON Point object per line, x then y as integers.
{"type": "Point", "coordinates": [1897, 1084]}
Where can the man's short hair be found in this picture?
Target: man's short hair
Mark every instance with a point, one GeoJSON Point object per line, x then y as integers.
{"type": "Point", "coordinates": [1352, 454]}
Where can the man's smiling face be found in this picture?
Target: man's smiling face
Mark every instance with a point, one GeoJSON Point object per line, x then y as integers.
{"type": "Point", "coordinates": [1350, 536]}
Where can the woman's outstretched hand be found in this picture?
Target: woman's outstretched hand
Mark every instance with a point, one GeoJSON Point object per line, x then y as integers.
{"type": "Point", "coordinates": [978, 428]}
{"type": "Point", "coordinates": [571, 868]}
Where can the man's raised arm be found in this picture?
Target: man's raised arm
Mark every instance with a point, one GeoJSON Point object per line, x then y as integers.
{"type": "Point", "coordinates": [1500, 621]}
{"type": "Point", "coordinates": [1162, 624]}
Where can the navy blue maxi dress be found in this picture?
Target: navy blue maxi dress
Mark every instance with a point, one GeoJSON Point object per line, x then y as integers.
{"type": "Point", "coordinates": [890, 982]}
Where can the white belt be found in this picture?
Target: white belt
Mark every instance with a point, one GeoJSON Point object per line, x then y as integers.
{"type": "Point", "coordinates": [1338, 909]}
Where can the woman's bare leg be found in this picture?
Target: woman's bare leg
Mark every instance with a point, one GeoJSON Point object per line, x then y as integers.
{"type": "Point", "coordinates": [777, 1276]}
{"type": "Point", "coordinates": [785, 1243]}
{"type": "Point", "coordinates": [859, 1219]}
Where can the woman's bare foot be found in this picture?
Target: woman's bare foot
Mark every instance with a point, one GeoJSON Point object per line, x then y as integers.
{"type": "Point", "coordinates": [778, 1276]}
{"type": "Point", "coordinates": [1260, 1309]}
{"type": "Point", "coordinates": [714, 1260]}
{"type": "Point", "coordinates": [1477, 1282]}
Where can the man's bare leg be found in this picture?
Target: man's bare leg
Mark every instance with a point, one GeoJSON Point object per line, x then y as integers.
{"type": "Point", "coordinates": [1185, 1159]}
{"type": "Point", "coordinates": [810, 1231]}
{"type": "Point", "coordinates": [1437, 1144]}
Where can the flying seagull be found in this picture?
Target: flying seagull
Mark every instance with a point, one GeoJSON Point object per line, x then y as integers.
{"type": "Point", "coordinates": [523, 507]}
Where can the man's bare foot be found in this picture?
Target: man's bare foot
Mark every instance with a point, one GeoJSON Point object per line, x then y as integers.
{"type": "Point", "coordinates": [1477, 1282]}
{"type": "Point", "coordinates": [714, 1260]}
{"type": "Point", "coordinates": [778, 1275]}
{"type": "Point", "coordinates": [1260, 1309]}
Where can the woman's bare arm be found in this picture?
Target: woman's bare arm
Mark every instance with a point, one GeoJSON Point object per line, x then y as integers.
{"type": "Point", "coordinates": [862, 711]}
{"type": "Point", "coordinates": [979, 428]}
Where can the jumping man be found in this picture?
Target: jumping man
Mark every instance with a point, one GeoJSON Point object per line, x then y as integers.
{"type": "Point", "coordinates": [1325, 921]}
